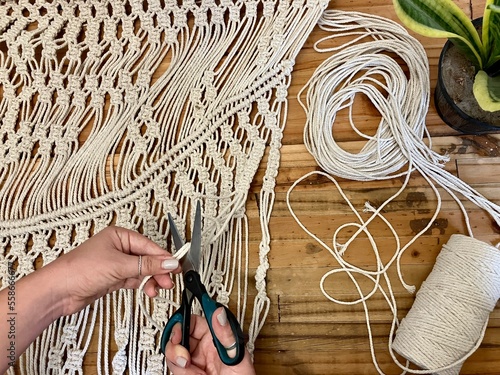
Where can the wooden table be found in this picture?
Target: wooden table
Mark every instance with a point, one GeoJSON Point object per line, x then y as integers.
{"type": "Point", "coordinates": [307, 334]}
{"type": "Point", "coordinates": [304, 332]}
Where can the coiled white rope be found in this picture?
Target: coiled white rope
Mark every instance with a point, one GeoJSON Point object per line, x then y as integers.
{"type": "Point", "coordinates": [397, 148]}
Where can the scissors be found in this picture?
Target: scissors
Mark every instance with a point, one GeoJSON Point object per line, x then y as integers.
{"type": "Point", "coordinates": [194, 288]}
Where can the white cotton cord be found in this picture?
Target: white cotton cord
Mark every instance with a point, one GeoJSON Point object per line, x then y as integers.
{"type": "Point", "coordinates": [337, 250]}
{"type": "Point", "coordinates": [448, 319]}
{"type": "Point", "coordinates": [179, 254]}
{"type": "Point", "coordinates": [365, 67]}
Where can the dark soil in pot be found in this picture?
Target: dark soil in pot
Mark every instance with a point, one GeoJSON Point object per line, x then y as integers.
{"type": "Point", "coordinates": [454, 99]}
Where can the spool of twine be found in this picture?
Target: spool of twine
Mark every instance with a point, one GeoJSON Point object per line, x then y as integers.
{"type": "Point", "coordinates": [447, 321]}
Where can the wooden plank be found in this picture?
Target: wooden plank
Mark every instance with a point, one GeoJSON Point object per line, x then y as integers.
{"type": "Point", "coordinates": [305, 333]}
{"type": "Point", "coordinates": [309, 362]}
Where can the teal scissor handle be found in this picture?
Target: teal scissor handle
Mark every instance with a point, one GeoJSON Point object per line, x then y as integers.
{"type": "Point", "coordinates": [183, 316]}
{"type": "Point", "coordinates": [192, 282]}
{"type": "Point", "coordinates": [209, 306]}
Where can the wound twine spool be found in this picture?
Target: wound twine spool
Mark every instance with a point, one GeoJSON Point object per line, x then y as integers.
{"type": "Point", "coordinates": [449, 316]}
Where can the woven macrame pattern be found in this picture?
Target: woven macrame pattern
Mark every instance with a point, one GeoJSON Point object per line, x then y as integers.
{"type": "Point", "coordinates": [117, 112]}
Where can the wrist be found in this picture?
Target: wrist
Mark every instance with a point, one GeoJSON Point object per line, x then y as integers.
{"type": "Point", "coordinates": [38, 303]}
{"type": "Point", "coordinates": [52, 292]}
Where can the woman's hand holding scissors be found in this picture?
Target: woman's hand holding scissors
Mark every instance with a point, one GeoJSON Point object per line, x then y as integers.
{"type": "Point", "coordinates": [204, 358]}
{"type": "Point", "coordinates": [114, 258]}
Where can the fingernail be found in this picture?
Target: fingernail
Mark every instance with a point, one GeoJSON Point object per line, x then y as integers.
{"type": "Point", "coordinates": [222, 318]}
{"type": "Point", "coordinates": [157, 288]}
{"type": "Point", "coordinates": [231, 353]}
{"type": "Point", "coordinates": [170, 264]}
{"type": "Point", "coordinates": [181, 362]}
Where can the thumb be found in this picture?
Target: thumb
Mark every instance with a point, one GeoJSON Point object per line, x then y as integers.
{"type": "Point", "coordinates": [152, 265]}
{"type": "Point", "coordinates": [178, 357]}
{"type": "Point", "coordinates": [223, 331]}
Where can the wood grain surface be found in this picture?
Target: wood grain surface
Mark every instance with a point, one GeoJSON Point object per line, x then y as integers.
{"type": "Point", "coordinates": [307, 334]}
{"type": "Point", "coordinates": [304, 332]}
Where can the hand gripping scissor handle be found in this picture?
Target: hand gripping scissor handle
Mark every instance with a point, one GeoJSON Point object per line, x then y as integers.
{"type": "Point", "coordinates": [195, 288]}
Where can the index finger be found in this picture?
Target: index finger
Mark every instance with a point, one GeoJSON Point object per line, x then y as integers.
{"type": "Point", "coordinates": [131, 242]}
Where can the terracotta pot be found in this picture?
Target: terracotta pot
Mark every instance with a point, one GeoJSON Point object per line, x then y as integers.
{"type": "Point", "coordinates": [472, 120]}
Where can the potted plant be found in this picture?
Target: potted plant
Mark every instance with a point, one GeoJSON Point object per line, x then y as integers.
{"type": "Point", "coordinates": [472, 54]}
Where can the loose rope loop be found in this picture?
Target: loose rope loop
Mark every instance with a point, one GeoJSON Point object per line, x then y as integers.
{"type": "Point", "coordinates": [396, 149]}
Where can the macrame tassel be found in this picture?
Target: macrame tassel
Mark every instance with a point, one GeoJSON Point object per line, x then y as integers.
{"type": "Point", "coordinates": [447, 321]}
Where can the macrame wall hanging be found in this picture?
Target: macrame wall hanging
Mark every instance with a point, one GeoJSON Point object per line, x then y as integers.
{"type": "Point", "coordinates": [121, 111]}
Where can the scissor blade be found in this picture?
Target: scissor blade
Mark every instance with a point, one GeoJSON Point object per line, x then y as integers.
{"type": "Point", "coordinates": [194, 254]}
{"type": "Point", "coordinates": [178, 241]}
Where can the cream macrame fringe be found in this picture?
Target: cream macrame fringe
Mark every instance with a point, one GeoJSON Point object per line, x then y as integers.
{"type": "Point", "coordinates": [95, 132]}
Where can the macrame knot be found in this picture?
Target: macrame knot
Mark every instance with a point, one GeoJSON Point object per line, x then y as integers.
{"type": "Point", "coordinates": [160, 311]}
{"type": "Point", "coordinates": [147, 339]}
{"type": "Point", "coordinates": [120, 361]}
{"type": "Point", "coordinates": [200, 18]}
{"type": "Point", "coordinates": [135, 43]}
{"type": "Point", "coordinates": [195, 95]}
{"type": "Point", "coordinates": [269, 8]}
{"type": "Point", "coordinates": [223, 297]}
{"type": "Point", "coordinates": [180, 18]}
{"type": "Point", "coordinates": [210, 94]}
{"type": "Point", "coordinates": [260, 275]}
{"type": "Point", "coordinates": [25, 265]}
{"type": "Point", "coordinates": [262, 106]}
{"type": "Point", "coordinates": [4, 269]}
{"type": "Point", "coordinates": [10, 93]}
{"type": "Point", "coordinates": [143, 78]}
{"type": "Point", "coordinates": [63, 238]}
{"type": "Point", "coordinates": [75, 359]}
{"type": "Point", "coordinates": [55, 359]}
{"type": "Point", "coordinates": [121, 337]}
{"type": "Point", "coordinates": [278, 40]}
{"type": "Point", "coordinates": [281, 92]}
{"type": "Point", "coordinates": [62, 148]}
{"type": "Point", "coordinates": [70, 334]}
{"type": "Point", "coordinates": [251, 9]}
{"type": "Point", "coordinates": [155, 364]}
{"type": "Point", "coordinates": [287, 66]}
{"type": "Point", "coordinates": [268, 183]}
{"type": "Point", "coordinates": [217, 16]}
{"type": "Point", "coordinates": [217, 278]}
{"type": "Point", "coordinates": [73, 53]}
{"type": "Point", "coordinates": [250, 347]}
{"type": "Point", "coordinates": [82, 233]}
{"type": "Point", "coordinates": [4, 74]}
{"type": "Point", "coordinates": [234, 12]}
{"type": "Point", "coordinates": [21, 68]}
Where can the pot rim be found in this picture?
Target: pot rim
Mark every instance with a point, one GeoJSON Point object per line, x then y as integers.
{"type": "Point", "coordinates": [444, 92]}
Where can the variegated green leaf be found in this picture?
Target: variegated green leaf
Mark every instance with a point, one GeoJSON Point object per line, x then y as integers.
{"type": "Point", "coordinates": [491, 32]}
{"type": "Point", "coordinates": [487, 91]}
{"type": "Point", "coordinates": [442, 19]}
